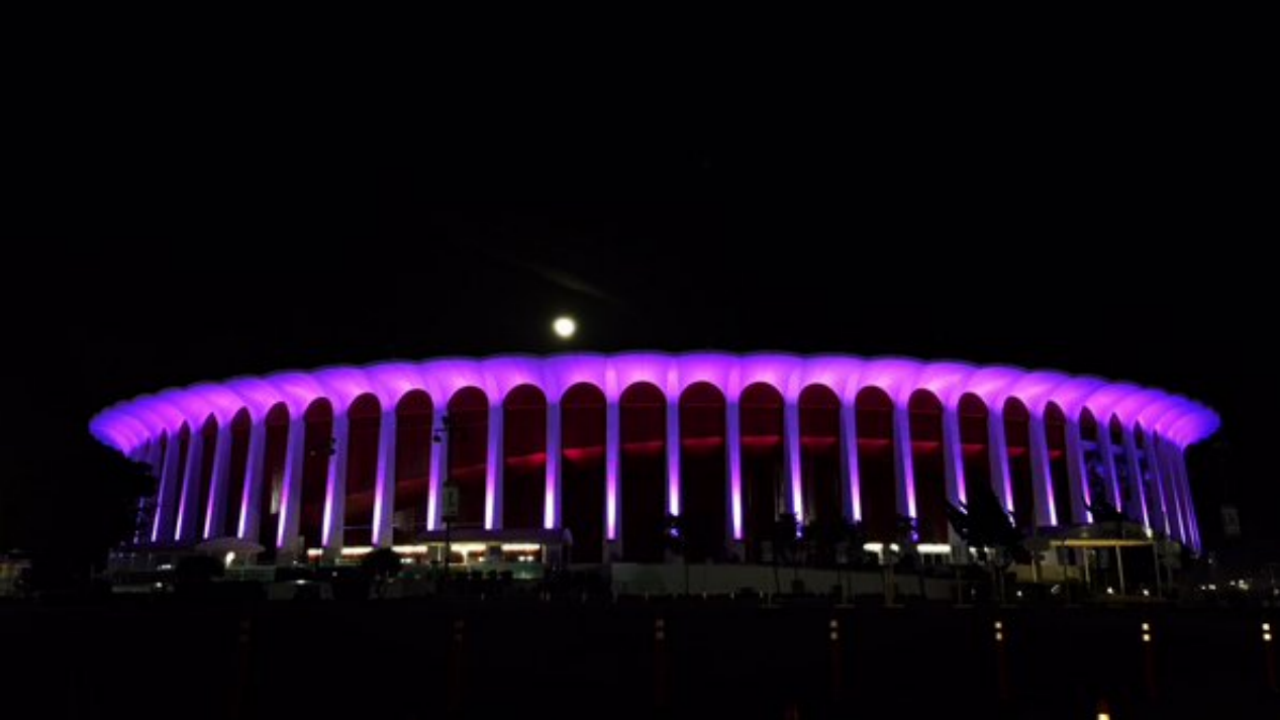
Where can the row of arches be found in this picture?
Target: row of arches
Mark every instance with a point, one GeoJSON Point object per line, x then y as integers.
{"type": "Point", "coordinates": [840, 462]}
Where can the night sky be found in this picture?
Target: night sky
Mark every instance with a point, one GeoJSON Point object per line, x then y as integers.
{"type": "Point", "coordinates": [1120, 244]}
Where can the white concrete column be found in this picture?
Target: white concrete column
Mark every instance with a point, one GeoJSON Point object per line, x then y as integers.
{"type": "Point", "coordinates": [1192, 518]}
{"type": "Point", "coordinates": [214, 519]}
{"type": "Point", "coordinates": [291, 493]}
{"type": "Point", "coordinates": [1175, 460]}
{"type": "Point", "coordinates": [903, 461]}
{"type": "Point", "coordinates": [1159, 504]}
{"type": "Point", "coordinates": [998, 456]}
{"type": "Point", "coordinates": [170, 478]}
{"type": "Point", "coordinates": [673, 455]}
{"type": "Point", "coordinates": [1136, 508]}
{"type": "Point", "coordinates": [155, 459]}
{"type": "Point", "coordinates": [791, 455]}
{"type": "Point", "coordinates": [953, 467]}
{"type": "Point", "coordinates": [552, 509]}
{"type": "Point", "coordinates": [1041, 472]}
{"type": "Point", "coordinates": [952, 456]}
{"type": "Point", "coordinates": [1077, 480]}
{"type": "Point", "coordinates": [494, 467]}
{"type": "Point", "coordinates": [613, 474]}
{"type": "Point", "coordinates": [438, 473]}
{"type": "Point", "coordinates": [384, 495]}
{"type": "Point", "coordinates": [849, 463]}
{"type": "Point", "coordinates": [1178, 529]}
{"type": "Point", "coordinates": [733, 457]}
{"type": "Point", "coordinates": [1108, 453]}
{"type": "Point", "coordinates": [188, 506]}
{"type": "Point", "coordinates": [1188, 501]}
{"type": "Point", "coordinates": [251, 500]}
{"type": "Point", "coordinates": [1180, 500]}
{"type": "Point", "coordinates": [335, 493]}
{"type": "Point", "coordinates": [139, 455]}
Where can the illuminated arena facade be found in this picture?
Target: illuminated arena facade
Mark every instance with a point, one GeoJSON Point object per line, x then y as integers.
{"type": "Point", "coordinates": [607, 445]}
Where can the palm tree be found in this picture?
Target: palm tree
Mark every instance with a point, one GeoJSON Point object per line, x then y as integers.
{"type": "Point", "coordinates": [380, 566]}
{"type": "Point", "coordinates": [784, 531]}
{"type": "Point", "coordinates": [907, 532]}
{"type": "Point", "coordinates": [821, 536]}
{"type": "Point", "coordinates": [985, 526]}
{"type": "Point", "coordinates": [853, 536]}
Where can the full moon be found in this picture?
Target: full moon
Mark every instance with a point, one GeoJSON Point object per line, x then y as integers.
{"type": "Point", "coordinates": [564, 326]}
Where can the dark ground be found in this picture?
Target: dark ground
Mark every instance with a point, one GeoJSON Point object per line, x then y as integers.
{"type": "Point", "coordinates": [412, 660]}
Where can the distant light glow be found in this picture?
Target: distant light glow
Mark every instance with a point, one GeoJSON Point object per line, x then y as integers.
{"type": "Point", "coordinates": [564, 327]}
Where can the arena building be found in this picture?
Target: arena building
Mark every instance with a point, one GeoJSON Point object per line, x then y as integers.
{"type": "Point", "coordinates": [517, 454]}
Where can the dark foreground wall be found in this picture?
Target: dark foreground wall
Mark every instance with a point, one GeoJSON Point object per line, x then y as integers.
{"type": "Point", "coordinates": [550, 660]}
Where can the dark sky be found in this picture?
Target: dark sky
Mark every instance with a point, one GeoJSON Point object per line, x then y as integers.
{"type": "Point", "coordinates": [1118, 238]}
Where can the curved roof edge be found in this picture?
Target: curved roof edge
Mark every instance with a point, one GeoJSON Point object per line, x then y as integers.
{"type": "Point", "coordinates": [128, 424]}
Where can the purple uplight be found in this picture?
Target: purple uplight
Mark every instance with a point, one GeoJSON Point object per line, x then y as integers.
{"type": "Point", "coordinates": [550, 507]}
{"type": "Point", "coordinates": [673, 455]}
{"type": "Point", "coordinates": [792, 432]}
{"type": "Point", "coordinates": [733, 431]}
{"type": "Point", "coordinates": [613, 450]}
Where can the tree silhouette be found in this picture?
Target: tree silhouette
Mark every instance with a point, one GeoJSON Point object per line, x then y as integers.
{"type": "Point", "coordinates": [822, 536]}
{"type": "Point", "coordinates": [381, 565]}
{"type": "Point", "coordinates": [674, 540]}
{"type": "Point", "coordinates": [783, 533]}
{"type": "Point", "coordinates": [94, 493]}
{"type": "Point", "coordinates": [985, 526]}
{"type": "Point", "coordinates": [853, 535]}
{"type": "Point", "coordinates": [906, 533]}
{"type": "Point", "coordinates": [1101, 508]}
